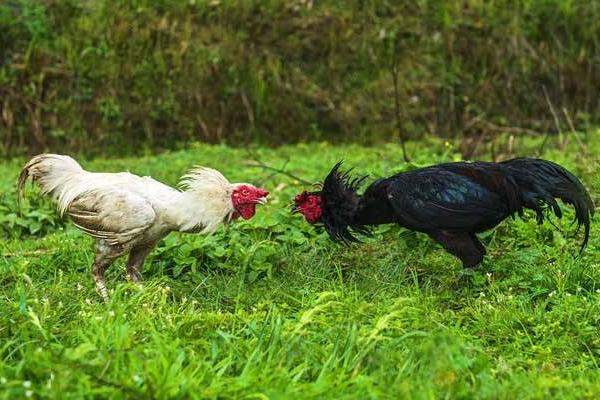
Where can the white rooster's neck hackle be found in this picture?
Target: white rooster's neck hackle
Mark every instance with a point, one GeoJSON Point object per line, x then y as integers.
{"type": "Point", "coordinates": [207, 194]}
{"type": "Point", "coordinates": [205, 180]}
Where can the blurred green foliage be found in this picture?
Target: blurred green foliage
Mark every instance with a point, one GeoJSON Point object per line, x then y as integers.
{"type": "Point", "coordinates": [122, 76]}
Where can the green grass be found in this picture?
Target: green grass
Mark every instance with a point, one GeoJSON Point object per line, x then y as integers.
{"type": "Point", "coordinates": [272, 309]}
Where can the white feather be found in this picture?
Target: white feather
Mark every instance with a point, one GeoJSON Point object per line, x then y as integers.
{"type": "Point", "coordinates": [201, 179]}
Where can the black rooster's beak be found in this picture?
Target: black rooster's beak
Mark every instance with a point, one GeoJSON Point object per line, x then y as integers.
{"type": "Point", "coordinates": [295, 209]}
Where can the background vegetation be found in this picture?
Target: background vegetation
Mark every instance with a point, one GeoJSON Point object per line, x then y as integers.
{"type": "Point", "coordinates": [116, 76]}
{"type": "Point", "coordinates": [270, 308]}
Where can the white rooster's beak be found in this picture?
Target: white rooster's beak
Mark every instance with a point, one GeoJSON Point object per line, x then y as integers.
{"type": "Point", "coordinates": [262, 200]}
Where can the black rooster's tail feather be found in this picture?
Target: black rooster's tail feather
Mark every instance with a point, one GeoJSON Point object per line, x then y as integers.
{"type": "Point", "coordinates": [542, 182]}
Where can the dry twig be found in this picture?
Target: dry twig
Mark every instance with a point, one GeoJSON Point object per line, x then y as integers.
{"type": "Point", "coordinates": [258, 163]}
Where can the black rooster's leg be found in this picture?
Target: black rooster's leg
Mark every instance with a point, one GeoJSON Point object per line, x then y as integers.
{"type": "Point", "coordinates": [461, 245]}
{"type": "Point", "coordinates": [105, 255]}
{"type": "Point", "coordinates": [135, 263]}
{"type": "Point", "coordinates": [478, 243]}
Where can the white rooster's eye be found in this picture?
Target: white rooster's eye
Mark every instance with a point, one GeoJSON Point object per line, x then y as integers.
{"type": "Point", "coordinates": [245, 192]}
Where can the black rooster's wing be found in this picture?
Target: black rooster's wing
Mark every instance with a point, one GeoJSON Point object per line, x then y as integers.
{"type": "Point", "coordinates": [438, 199]}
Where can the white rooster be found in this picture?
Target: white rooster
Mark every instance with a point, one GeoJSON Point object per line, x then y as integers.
{"type": "Point", "coordinates": [127, 213]}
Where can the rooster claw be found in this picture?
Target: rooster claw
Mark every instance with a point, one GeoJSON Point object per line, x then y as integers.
{"type": "Point", "coordinates": [466, 276]}
{"type": "Point", "coordinates": [467, 272]}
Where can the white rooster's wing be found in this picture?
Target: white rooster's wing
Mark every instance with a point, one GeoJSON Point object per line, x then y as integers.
{"type": "Point", "coordinates": [115, 215]}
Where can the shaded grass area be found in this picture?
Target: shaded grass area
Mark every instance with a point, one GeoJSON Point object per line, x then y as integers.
{"type": "Point", "coordinates": [271, 308]}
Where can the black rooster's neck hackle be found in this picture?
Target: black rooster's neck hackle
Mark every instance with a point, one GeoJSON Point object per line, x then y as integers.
{"type": "Point", "coordinates": [340, 203]}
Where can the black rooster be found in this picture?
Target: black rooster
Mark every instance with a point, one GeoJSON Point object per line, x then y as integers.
{"type": "Point", "coordinates": [450, 202]}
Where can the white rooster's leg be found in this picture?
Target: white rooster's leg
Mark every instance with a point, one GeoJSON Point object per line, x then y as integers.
{"type": "Point", "coordinates": [98, 274]}
{"type": "Point", "coordinates": [105, 255]}
{"type": "Point", "coordinates": [137, 256]}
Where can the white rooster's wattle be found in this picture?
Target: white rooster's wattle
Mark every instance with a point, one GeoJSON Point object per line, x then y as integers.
{"type": "Point", "coordinates": [129, 214]}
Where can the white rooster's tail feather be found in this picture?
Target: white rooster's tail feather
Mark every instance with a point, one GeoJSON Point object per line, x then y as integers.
{"type": "Point", "coordinates": [54, 174]}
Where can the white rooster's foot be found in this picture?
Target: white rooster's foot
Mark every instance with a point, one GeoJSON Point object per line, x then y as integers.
{"type": "Point", "coordinates": [135, 277]}
{"type": "Point", "coordinates": [102, 288]}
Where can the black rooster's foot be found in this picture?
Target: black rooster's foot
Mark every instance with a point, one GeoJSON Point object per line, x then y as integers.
{"type": "Point", "coordinates": [466, 276]}
{"type": "Point", "coordinates": [467, 272]}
